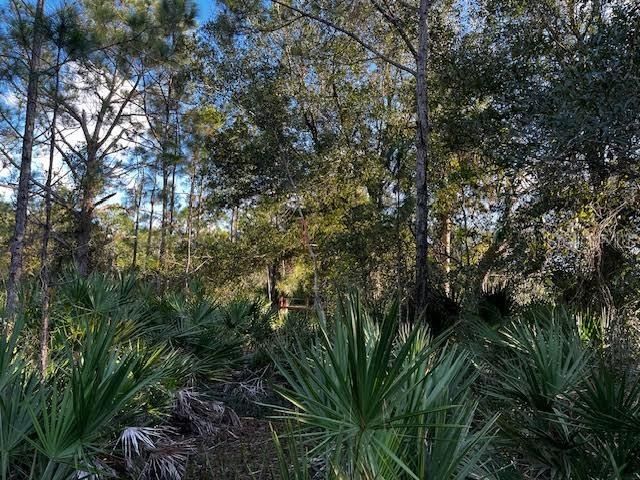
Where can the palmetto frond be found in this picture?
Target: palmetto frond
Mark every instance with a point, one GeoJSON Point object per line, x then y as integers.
{"type": "Point", "coordinates": [375, 403]}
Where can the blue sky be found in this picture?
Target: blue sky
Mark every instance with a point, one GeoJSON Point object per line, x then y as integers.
{"type": "Point", "coordinates": [206, 8]}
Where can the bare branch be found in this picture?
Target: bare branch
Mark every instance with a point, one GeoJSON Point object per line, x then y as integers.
{"type": "Point", "coordinates": [351, 35]}
{"type": "Point", "coordinates": [123, 105]}
{"type": "Point", "coordinates": [77, 116]}
{"type": "Point", "coordinates": [59, 200]}
{"type": "Point", "coordinates": [104, 199]}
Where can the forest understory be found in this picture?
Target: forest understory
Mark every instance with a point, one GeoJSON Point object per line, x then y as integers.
{"type": "Point", "coordinates": [320, 239]}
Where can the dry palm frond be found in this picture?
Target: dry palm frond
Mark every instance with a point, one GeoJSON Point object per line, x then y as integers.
{"type": "Point", "coordinates": [203, 415]}
{"type": "Point", "coordinates": [99, 470]}
{"type": "Point", "coordinates": [168, 461]}
{"type": "Point", "coordinates": [136, 440]}
{"type": "Point", "coordinates": [250, 390]}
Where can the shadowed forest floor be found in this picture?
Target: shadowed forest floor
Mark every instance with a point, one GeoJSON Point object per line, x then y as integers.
{"type": "Point", "coordinates": [244, 452]}
{"type": "Point", "coordinates": [243, 448]}
{"type": "Point", "coordinates": [320, 240]}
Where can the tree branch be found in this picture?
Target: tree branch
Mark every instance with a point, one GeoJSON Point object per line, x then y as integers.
{"type": "Point", "coordinates": [124, 104]}
{"type": "Point", "coordinates": [104, 199]}
{"type": "Point", "coordinates": [393, 20]}
{"type": "Point", "coordinates": [350, 34]}
{"type": "Point", "coordinates": [59, 200]}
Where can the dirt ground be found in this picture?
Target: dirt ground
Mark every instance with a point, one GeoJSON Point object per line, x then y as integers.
{"type": "Point", "coordinates": [245, 452]}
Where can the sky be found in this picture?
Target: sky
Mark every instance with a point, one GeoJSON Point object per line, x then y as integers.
{"type": "Point", "coordinates": [206, 9]}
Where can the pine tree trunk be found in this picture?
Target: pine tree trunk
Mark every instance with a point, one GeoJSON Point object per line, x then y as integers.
{"type": "Point", "coordinates": [165, 212]}
{"type": "Point", "coordinates": [192, 188]}
{"type": "Point", "coordinates": [136, 228]}
{"type": "Point", "coordinates": [173, 201]}
{"type": "Point", "coordinates": [45, 276]}
{"type": "Point", "coordinates": [83, 238]}
{"type": "Point", "coordinates": [85, 215]}
{"type": "Point", "coordinates": [22, 203]}
{"type": "Point", "coordinates": [422, 162]}
{"type": "Point", "coordinates": [197, 223]}
{"type": "Point", "coordinates": [152, 203]}
{"type": "Point", "coordinates": [165, 177]}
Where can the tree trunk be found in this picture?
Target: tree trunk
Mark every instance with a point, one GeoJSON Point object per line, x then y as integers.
{"type": "Point", "coordinates": [165, 212]}
{"type": "Point", "coordinates": [17, 243]}
{"type": "Point", "coordinates": [273, 276]}
{"type": "Point", "coordinates": [400, 277]}
{"type": "Point", "coordinates": [136, 228]}
{"type": "Point", "coordinates": [197, 223]}
{"type": "Point", "coordinates": [45, 280]}
{"type": "Point", "coordinates": [173, 201]}
{"type": "Point", "coordinates": [177, 152]}
{"type": "Point", "coordinates": [165, 176]}
{"type": "Point", "coordinates": [85, 215]}
{"type": "Point", "coordinates": [446, 252]}
{"type": "Point", "coordinates": [232, 225]}
{"type": "Point", "coordinates": [152, 203]}
{"type": "Point", "coordinates": [83, 237]}
{"type": "Point", "coordinates": [422, 162]}
{"type": "Point", "coordinates": [192, 188]}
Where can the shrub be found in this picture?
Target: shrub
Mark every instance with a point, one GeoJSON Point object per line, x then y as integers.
{"type": "Point", "coordinates": [563, 413]}
{"type": "Point", "coordinates": [375, 403]}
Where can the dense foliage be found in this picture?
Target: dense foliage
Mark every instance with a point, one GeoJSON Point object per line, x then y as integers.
{"type": "Point", "coordinates": [190, 189]}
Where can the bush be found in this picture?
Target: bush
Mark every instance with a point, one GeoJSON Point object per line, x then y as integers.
{"type": "Point", "coordinates": [119, 360]}
{"type": "Point", "coordinates": [563, 412]}
{"type": "Point", "coordinates": [378, 402]}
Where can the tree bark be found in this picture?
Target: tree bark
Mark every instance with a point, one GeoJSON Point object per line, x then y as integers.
{"type": "Point", "coordinates": [151, 211]}
{"type": "Point", "coordinates": [422, 161]}
{"type": "Point", "coordinates": [17, 243]}
{"type": "Point", "coordinates": [83, 237]}
{"type": "Point", "coordinates": [45, 276]}
{"type": "Point", "coordinates": [136, 227]}
{"type": "Point", "coordinates": [85, 215]}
